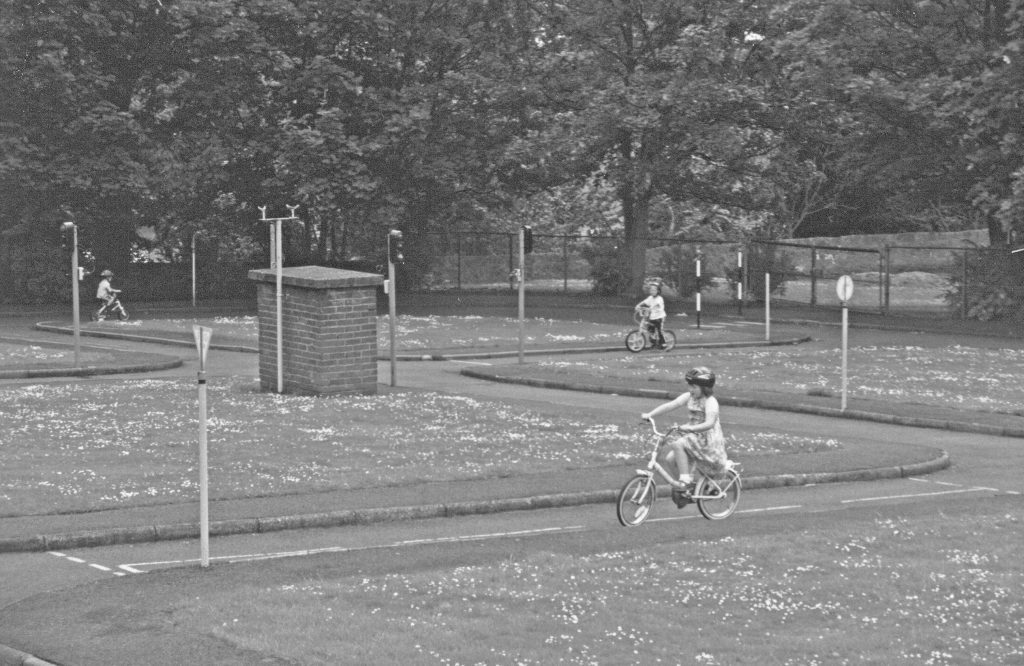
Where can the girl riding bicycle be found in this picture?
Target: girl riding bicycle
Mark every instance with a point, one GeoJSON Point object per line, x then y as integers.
{"type": "Point", "coordinates": [655, 305]}
{"type": "Point", "coordinates": [700, 444]}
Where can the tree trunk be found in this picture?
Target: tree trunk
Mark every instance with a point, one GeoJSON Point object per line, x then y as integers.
{"type": "Point", "coordinates": [636, 203]}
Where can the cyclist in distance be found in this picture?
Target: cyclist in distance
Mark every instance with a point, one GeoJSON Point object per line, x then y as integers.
{"type": "Point", "coordinates": [106, 294]}
{"type": "Point", "coordinates": [700, 444]}
{"type": "Point", "coordinates": [655, 305]}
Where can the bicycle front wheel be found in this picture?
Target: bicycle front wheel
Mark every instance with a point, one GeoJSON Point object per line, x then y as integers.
{"type": "Point", "coordinates": [720, 497]}
{"type": "Point", "coordinates": [636, 341]}
{"type": "Point", "coordinates": [670, 340]}
{"type": "Point", "coordinates": [123, 315]}
{"type": "Point", "coordinates": [635, 501]}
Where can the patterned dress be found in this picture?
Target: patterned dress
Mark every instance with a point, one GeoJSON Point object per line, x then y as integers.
{"type": "Point", "coordinates": [707, 448]}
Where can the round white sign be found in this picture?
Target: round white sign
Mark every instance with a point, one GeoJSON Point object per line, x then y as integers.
{"type": "Point", "coordinates": [844, 288]}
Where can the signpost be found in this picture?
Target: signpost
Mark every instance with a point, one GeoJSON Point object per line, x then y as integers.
{"type": "Point", "coordinates": [699, 255]}
{"type": "Point", "coordinates": [844, 290]}
{"type": "Point", "coordinates": [202, 336]}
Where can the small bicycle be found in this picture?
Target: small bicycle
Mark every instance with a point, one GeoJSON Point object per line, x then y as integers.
{"type": "Point", "coordinates": [715, 498]}
{"type": "Point", "coordinates": [109, 309]}
{"type": "Point", "coordinates": [642, 337]}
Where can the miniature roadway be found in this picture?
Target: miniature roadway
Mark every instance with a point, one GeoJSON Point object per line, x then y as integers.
{"type": "Point", "coordinates": [57, 567]}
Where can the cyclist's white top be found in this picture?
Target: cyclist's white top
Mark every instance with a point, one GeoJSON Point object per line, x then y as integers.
{"type": "Point", "coordinates": [657, 306]}
{"type": "Point", "coordinates": [104, 291]}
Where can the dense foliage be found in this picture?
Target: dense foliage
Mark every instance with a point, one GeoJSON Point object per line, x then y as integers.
{"type": "Point", "coordinates": [781, 117]}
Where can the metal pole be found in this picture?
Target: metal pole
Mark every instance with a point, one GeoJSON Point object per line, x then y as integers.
{"type": "Point", "coordinates": [739, 280]}
{"type": "Point", "coordinates": [698, 288]}
{"type": "Point", "coordinates": [75, 314]}
{"type": "Point", "coordinates": [392, 297]}
{"type": "Point", "coordinates": [767, 307]}
{"type": "Point", "coordinates": [522, 291]}
{"type": "Point", "coordinates": [279, 252]}
{"type": "Point", "coordinates": [204, 481]}
{"type": "Point", "coordinates": [842, 406]}
{"type": "Point", "coordinates": [202, 338]}
{"type": "Point", "coordinates": [277, 261]}
{"type": "Point", "coordinates": [194, 268]}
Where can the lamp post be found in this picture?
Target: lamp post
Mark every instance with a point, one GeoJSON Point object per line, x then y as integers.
{"type": "Point", "coordinates": [75, 277]}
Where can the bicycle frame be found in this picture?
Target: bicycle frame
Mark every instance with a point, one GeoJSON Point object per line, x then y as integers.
{"type": "Point", "coordinates": [654, 466]}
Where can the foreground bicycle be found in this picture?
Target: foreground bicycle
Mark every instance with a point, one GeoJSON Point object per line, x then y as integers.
{"type": "Point", "coordinates": [715, 498]}
{"type": "Point", "coordinates": [642, 337]}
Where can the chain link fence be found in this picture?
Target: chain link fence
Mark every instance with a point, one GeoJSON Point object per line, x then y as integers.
{"type": "Point", "coordinates": [968, 282]}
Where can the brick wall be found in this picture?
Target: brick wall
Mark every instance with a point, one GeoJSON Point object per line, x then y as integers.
{"type": "Point", "coordinates": [329, 330]}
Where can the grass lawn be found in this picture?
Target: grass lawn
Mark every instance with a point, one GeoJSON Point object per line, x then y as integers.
{"type": "Point", "coordinates": [896, 586]}
{"type": "Point", "coordinates": [953, 376]}
{"type": "Point", "coordinates": [81, 446]}
{"type": "Point", "coordinates": [443, 332]}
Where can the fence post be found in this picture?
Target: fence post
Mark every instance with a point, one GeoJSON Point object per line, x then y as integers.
{"type": "Point", "coordinates": [814, 275]}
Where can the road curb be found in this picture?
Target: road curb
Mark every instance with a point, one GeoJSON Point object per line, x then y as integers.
{"type": "Point", "coordinates": [11, 657]}
{"type": "Point", "coordinates": [180, 531]}
{"type": "Point", "coordinates": [816, 410]}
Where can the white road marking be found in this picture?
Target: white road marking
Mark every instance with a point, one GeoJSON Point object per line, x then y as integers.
{"type": "Point", "coordinates": [909, 495]}
{"type": "Point", "coordinates": [78, 560]}
{"type": "Point", "coordinates": [762, 510]}
{"type": "Point", "coordinates": [251, 557]}
{"type": "Point", "coordinates": [455, 360]}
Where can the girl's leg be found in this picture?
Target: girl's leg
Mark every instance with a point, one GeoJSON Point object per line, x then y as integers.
{"type": "Point", "coordinates": [684, 466]}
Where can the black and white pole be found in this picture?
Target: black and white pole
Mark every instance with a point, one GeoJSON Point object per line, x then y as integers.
{"type": "Point", "coordinates": [395, 256]}
{"type": "Point", "coordinates": [739, 280]}
{"type": "Point", "coordinates": [202, 337]}
{"type": "Point", "coordinates": [844, 289]}
{"type": "Point", "coordinates": [277, 262]}
{"type": "Point", "coordinates": [76, 276]}
{"type": "Point", "coordinates": [698, 287]}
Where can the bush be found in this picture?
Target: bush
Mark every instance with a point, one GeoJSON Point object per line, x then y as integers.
{"type": "Point", "coordinates": [38, 273]}
{"type": "Point", "coordinates": [993, 286]}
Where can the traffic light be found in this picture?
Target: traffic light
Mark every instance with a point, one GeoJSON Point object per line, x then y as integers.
{"type": "Point", "coordinates": [527, 239]}
{"type": "Point", "coordinates": [395, 247]}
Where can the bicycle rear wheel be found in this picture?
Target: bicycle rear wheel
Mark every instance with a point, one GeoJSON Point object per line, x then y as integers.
{"type": "Point", "coordinates": [636, 341]}
{"type": "Point", "coordinates": [635, 501]}
{"type": "Point", "coordinates": [670, 340]}
{"type": "Point", "coordinates": [723, 495]}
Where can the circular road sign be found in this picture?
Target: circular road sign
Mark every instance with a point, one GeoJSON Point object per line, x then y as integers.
{"type": "Point", "coordinates": [844, 288]}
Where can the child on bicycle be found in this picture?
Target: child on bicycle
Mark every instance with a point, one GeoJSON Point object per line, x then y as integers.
{"type": "Point", "coordinates": [106, 294]}
{"type": "Point", "coordinates": [700, 444]}
{"type": "Point", "coordinates": [655, 305]}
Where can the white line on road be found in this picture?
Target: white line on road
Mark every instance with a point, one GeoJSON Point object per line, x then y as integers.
{"type": "Point", "coordinates": [909, 495]}
{"type": "Point", "coordinates": [134, 567]}
{"type": "Point", "coordinates": [78, 560]}
{"type": "Point", "coordinates": [762, 510]}
{"type": "Point", "coordinates": [455, 360]}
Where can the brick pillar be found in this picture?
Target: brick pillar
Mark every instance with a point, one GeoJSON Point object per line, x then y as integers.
{"type": "Point", "coordinates": [329, 329]}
